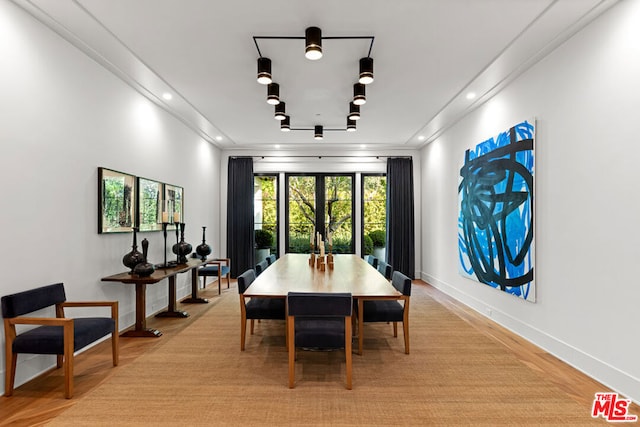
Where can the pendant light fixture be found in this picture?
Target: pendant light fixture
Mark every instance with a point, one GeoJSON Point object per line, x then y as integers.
{"type": "Point", "coordinates": [313, 43]}
{"type": "Point", "coordinates": [280, 111]}
{"type": "Point", "coordinates": [264, 71]}
{"type": "Point", "coordinates": [366, 70]}
{"type": "Point", "coordinates": [285, 125]}
{"type": "Point", "coordinates": [359, 97]}
{"type": "Point", "coordinates": [351, 125]}
{"type": "Point", "coordinates": [273, 93]}
{"type": "Point", "coordinates": [354, 111]}
{"type": "Point", "coordinates": [317, 134]}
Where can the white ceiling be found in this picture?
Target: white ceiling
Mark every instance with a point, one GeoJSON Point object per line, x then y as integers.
{"type": "Point", "coordinates": [428, 55]}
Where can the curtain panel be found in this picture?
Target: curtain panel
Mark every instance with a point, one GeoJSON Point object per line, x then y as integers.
{"type": "Point", "coordinates": [400, 216]}
{"type": "Point", "coordinates": [240, 234]}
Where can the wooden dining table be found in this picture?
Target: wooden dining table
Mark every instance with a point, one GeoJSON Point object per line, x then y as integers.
{"type": "Point", "coordinates": [350, 273]}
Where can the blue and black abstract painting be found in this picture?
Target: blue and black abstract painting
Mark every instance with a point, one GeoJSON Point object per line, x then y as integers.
{"type": "Point", "coordinates": [495, 219]}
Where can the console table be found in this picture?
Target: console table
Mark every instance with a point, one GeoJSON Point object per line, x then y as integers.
{"type": "Point", "coordinates": [141, 283]}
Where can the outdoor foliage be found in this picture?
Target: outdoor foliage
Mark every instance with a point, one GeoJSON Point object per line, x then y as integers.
{"type": "Point", "coordinates": [117, 198]}
{"type": "Point", "coordinates": [378, 238]}
{"type": "Point", "coordinates": [368, 245]}
{"type": "Point", "coordinates": [264, 239]}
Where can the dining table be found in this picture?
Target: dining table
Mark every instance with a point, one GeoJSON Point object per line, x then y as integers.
{"type": "Point", "coordinates": [348, 273]}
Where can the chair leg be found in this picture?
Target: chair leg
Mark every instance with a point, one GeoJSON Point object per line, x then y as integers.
{"type": "Point", "coordinates": [68, 361]}
{"type": "Point", "coordinates": [115, 348]}
{"type": "Point", "coordinates": [292, 352]}
{"type": "Point", "coordinates": [395, 329]}
{"type": "Point", "coordinates": [347, 349]}
{"type": "Point", "coordinates": [243, 332]}
{"type": "Point", "coordinates": [252, 322]}
{"type": "Point", "coordinates": [405, 327]}
{"type": "Point", "coordinates": [10, 374]}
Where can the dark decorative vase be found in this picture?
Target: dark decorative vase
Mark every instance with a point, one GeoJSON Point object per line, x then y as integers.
{"type": "Point", "coordinates": [144, 269]}
{"type": "Point", "coordinates": [203, 249]}
{"type": "Point", "coordinates": [182, 248]}
{"type": "Point", "coordinates": [134, 257]}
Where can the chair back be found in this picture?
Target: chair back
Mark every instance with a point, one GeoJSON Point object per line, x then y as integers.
{"type": "Point", "coordinates": [385, 269]}
{"type": "Point", "coordinates": [372, 260]}
{"type": "Point", "coordinates": [246, 279]}
{"type": "Point", "coordinates": [271, 259]}
{"type": "Point", "coordinates": [319, 304]}
{"type": "Point", "coordinates": [402, 283]}
{"type": "Point", "coordinates": [261, 266]}
{"type": "Point", "coordinates": [21, 303]}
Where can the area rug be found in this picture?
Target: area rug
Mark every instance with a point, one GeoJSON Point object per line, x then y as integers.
{"type": "Point", "coordinates": [454, 375]}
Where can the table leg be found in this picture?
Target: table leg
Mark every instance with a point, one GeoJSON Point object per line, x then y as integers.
{"type": "Point", "coordinates": [141, 316]}
{"type": "Point", "coordinates": [360, 324]}
{"type": "Point", "coordinates": [194, 299]}
{"type": "Point", "coordinates": [171, 309]}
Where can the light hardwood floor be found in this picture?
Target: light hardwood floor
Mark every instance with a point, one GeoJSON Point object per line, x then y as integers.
{"type": "Point", "coordinates": [40, 400]}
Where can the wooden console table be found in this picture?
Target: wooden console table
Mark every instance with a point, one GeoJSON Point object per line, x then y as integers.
{"type": "Point", "coordinates": [141, 283]}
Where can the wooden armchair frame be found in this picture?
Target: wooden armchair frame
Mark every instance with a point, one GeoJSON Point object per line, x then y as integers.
{"type": "Point", "coordinates": [63, 360]}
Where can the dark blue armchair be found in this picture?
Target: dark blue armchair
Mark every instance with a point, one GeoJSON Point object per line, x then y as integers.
{"type": "Point", "coordinates": [220, 267]}
{"type": "Point", "coordinates": [385, 269]}
{"type": "Point", "coordinates": [373, 261]}
{"type": "Point", "coordinates": [261, 266]}
{"type": "Point", "coordinates": [319, 321]}
{"type": "Point", "coordinates": [53, 335]}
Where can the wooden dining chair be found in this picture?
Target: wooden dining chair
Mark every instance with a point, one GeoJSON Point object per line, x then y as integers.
{"type": "Point", "coordinates": [319, 321]}
{"type": "Point", "coordinates": [261, 266]}
{"type": "Point", "coordinates": [389, 310]}
{"type": "Point", "coordinates": [385, 269]}
{"type": "Point", "coordinates": [256, 308]}
{"type": "Point", "coordinates": [373, 261]}
{"type": "Point", "coordinates": [59, 335]}
{"type": "Point", "coordinates": [220, 268]}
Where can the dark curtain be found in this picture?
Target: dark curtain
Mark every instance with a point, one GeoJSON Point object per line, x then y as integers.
{"type": "Point", "coordinates": [240, 215]}
{"type": "Point", "coordinates": [400, 218]}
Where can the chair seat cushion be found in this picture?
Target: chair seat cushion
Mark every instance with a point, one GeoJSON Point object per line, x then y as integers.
{"type": "Point", "coordinates": [382, 311]}
{"type": "Point", "coordinates": [319, 332]}
{"type": "Point", "coordinates": [212, 270]}
{"type": "Point", "coordinates": [266, 308]}
{"type": "Point", "coordinates": [50, 339]}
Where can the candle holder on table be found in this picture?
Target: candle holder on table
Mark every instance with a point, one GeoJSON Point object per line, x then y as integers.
{"type": "Point", "coordinates": [165, 264]}
{"type": "Point", "coordinates": [312, 257]}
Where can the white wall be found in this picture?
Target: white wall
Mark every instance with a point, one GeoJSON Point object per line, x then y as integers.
{"type": "Point", "coordinates": [585, 96]}
{"type": "Point", "coordinates": [325, 161]}
{"type": "Point", "coordinates": [61, 117]}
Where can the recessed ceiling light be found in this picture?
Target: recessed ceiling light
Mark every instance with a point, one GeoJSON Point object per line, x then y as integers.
{"type": "Point", "coordinates": [471, 95]}
{"type": "Point", "coordinates": [277, 145]}
{"type": "Point", "coordinates": [167, 96]}
{"type": "Point", "coordinates": [421, 138]}
{"type": "Point", "coordinates": [218, 138]}
{"type": "Point", "coordinates": [363, 146]}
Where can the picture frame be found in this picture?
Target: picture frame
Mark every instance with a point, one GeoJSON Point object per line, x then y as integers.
{"type": "Point", "coordinates": [117, 201]}
{"type": "Point", "coordinates": [150, 195]}
{"type": "Point", "coordinates": [173, 203]}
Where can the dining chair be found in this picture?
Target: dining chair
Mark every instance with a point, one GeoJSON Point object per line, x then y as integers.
{"type": "Point", "coordinates": [385, 269]}
{"type": "Point", "coordinates": [59, 335]}
{"type": "Point", "coordinates": [219, 267]}
{"type": "Point", "coordinates": [390, 310]}
{"type": "Point", "coordinates": [256, 308]}
{"type": "Point", "coordinates": [261, 266]}
{"type": "Point", "coordinates": [319, 321]}
{"type": "Point", "coordinates": [372, 260]}
{"type": "Point", "coordinates": [271, 259]}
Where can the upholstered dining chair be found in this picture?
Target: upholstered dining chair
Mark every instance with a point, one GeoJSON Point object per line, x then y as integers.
{"type": "Point", "coordinates": [373, 261]}
{"type": "Point", "coordinates": [261, 266]}
{"type": "Point", "coordinates": [256, 308]}
{"type": "Point", "coordinates": [390, 310]}
{"type": "Point", "coordinates": [319, 321]}
{"type": "Point", "coordinates": [218, 267]}
{"type": "Point", "coordinates": [385, 269]}
{"type": "Point", "coordinates": [271, 259]}
{"type": "Point", "coordinates": [59, 335]}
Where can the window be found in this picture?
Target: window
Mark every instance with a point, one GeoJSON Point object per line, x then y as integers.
{"type": "Point", "coordinates": [265, 215]}
{"type": "Point", "coordinates": [374, 215]}
{"type": "Point", "coordinates": [318, 203]}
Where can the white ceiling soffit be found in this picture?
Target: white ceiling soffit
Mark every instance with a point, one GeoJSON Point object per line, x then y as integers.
{"type": "Point", "coordinates": [428, 55]}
